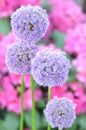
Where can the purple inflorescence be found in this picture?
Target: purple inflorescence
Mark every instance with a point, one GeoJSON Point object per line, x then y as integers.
{"type": "Point", "coordinates": [60, 112]}
{"type": "Point", "coordinates": [18, 57]}
{"type": "Point", "coordinates": [50, 68]}
{"type": "Point", "coordinates": [30, 23]}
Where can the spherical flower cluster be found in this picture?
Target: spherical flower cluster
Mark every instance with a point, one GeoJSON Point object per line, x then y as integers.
{"type": "Point", "coordinates": [68, 16]}
{"type": "Point", "coordinates": [77, 39]}
{"type": "Point", "coordinates": [30, 23]}
{"type": "Point", "coordinates": [50, 68]}
{"type": "Point", "coordinates": [60, 112]}
{"type": "Point", "coordinates": [73, 91]}
{"type": "Point", "coordinates": [18, 57]}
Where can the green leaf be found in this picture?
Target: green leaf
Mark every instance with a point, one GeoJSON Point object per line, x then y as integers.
{"type": "Point", "coordinates": [2, 127]}
{"type": "Point", "coordinates": [41, 104]}
{"type": "Point", "coordinates": [28, 119]}
{"type": "Point", "coordinates": [44, 122]}
{"type": "Point", "coordinates": [1, 88]}
{"type": "Point", "coordinates": [58, 38]}
{"type": "Point", "coordinates": [4, 26]}
{"type": "Point", "coordinates": [46, 5]}
{"type": "Point", "coordinates": [11, 122]}
{"type": "Point", "coordinates": [40, 42]}
{"type": "Point", "coordinates": [82, 121]}
{"type": "Point", "coordinates": [72, 75]}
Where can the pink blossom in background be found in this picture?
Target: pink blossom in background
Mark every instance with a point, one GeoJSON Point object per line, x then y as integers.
{"type": "Point", "coordinates": [4, 43]}
{"type": "Point", "coordinates": [76, 39]}
{"type": "Point", "coordinates": [10, 95]}
{"type": "Point", "coordinates": [80, 64]}
{"type": "Point", "coordinates": [66, 14]}
{"type": "Point", "coordinates": [7, 7]}
{"type": "Point", "coordinates": [56, 2]}
{"type": "Point", "coordinates": [73, 91]}
{"type": "Point", "coordinates": [1, 36]}
{"type": "Point", "coordinates": [26, 2]}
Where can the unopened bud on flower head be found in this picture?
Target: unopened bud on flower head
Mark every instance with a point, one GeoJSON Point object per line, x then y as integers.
{"type": "Point", "coordinates": [60, 112]}
{"type": "Point", "coordinates": [30, 23]}
{"type": "Point", "coordinates": [18, 57]}
{"type": "Point", "coordinates": [50, 68]}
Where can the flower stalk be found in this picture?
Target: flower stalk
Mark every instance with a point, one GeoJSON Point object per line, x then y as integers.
{"type": "Point", "coordinates": [33, 104]}
{"type": "Point", "coordinates": [22, 103]}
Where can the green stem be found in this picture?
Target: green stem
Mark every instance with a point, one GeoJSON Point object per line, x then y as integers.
{"type": "Point", "coordinates": [22, 103]}
{"type": "Point", "coordinates": [49, 97]}
{"type": "Point", "coordinates": [33, 104]}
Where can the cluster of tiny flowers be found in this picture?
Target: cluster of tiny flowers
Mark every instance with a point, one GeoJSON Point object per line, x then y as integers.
{"type": "Point", "coordinates": [30, 23]}
{"type": "Point", "coordinates": [50, 68]}
{"type": "Point", "coordinates": [18, 57]}
{"type": "Point", "coordinates": [60, 112]}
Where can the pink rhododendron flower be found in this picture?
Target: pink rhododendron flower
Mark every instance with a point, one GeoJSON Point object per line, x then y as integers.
{"type": "Point", "coordinates": [80, 64]}
{"type": "Point", "coordinates": [56, 2]}
{"type": "Point", "coordinates": [1, 36]}
{"type": "Point", "coordinates": [66, 15]}
{"type": "Point", "coordinates": [72, 91]}
{"type": "Point", "coordinates": [5, 41]}
{"type": "Point", "coordinates": [32, 2]}
{"type": "Point", "coordinates": [10, 95]}
{"type": "Point", "coordinates": [7, 7]}
{"type": "Point", "coordinates": [81, 76]}
{"type": "Point", "coordinates": [76, 39]}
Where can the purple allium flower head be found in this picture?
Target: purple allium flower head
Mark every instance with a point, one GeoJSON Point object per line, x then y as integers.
{"type": "Point", "coordinates": [60, 112]}
{"type": "Point", "coordinates": [18, 57]}
{"type": "Point", "coordinates": [50, 68]}
{"type": "Point", "coordinates": [30, 23]}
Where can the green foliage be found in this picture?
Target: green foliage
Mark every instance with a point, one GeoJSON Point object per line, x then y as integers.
{"type": "Point", "coordinates": [11, 122]}
{"type": "Point", "coordinates": [46, 5]}
{"type": "Point", "coordinates": [58, 39]}
{"type": "Point", "coordinates": [5, 26]}
{"type": "Point", "coordinates": [1, 88]}
{"type": "Point", "coordinates": [28, 119]}
{"type": "Point", "coordinates": [72, 74]}
{"type": "Point", "coordinates": [82, 122]}
{"type": "Point", "coordinates": [41, 104]}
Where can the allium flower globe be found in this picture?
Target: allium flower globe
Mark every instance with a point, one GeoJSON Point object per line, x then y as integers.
{"type": "Point", "coordinates": [60, 112]}
{"type": "Point", "coordinates": [18, 57]}
{"type": "Point", "coordinates": [30, 23]}
{"type": "Point", "coordinates": [50, 68]}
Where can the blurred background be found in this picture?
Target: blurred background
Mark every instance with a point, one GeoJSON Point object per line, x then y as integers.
{"type": "Point", "coordinates": [66, 32]}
